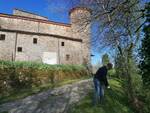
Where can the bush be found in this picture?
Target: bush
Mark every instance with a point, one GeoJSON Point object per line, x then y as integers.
{"type": "Point", "coordinates": [146, 94]}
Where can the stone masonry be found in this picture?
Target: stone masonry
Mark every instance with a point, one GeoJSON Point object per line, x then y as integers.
{"type": "Point", "coordinates": [29, 37]}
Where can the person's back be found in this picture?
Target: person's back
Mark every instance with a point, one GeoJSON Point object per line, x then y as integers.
{"type": "Point", "coordinates": [101, 75]}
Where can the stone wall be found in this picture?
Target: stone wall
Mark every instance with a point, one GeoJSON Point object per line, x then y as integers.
{"type": "Point", "coordinates": [71, 48]}
{"type": "Point", "coordinates": [34, 52]}
{"type": "Point", "coordinates": [20, 32]}
{"type": "Point", "coordinates": [7, 46]}
{"type": "Point", "coordinates": [35, 26]}
{"type": "Point", "coordinates": [18, 24]}
{"type": "Point", "coordinates": [80, 18]}
{"type": "Point", "coordinates": [55, 29]}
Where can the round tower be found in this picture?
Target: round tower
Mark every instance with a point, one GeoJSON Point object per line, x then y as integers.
{"type": "Point", "coordinates": [81, 29]}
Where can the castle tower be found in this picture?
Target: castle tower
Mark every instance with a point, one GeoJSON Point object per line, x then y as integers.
{"type": "Point", "coordinates": [80, 25]}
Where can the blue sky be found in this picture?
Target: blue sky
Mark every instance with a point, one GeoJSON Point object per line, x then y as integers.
{"type": "Point", "coordinates": [41, 7]}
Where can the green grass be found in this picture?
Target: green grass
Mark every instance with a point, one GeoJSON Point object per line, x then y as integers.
{"type": "Point", "coordinates": [115, 102]}
{"type": "Point", "coordinates": [4, 112]}
{"type": "Point", "coordinates": [37, 65]}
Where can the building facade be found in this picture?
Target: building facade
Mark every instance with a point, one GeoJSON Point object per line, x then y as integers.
{"type": "Point", "coordinates": [29, 37]}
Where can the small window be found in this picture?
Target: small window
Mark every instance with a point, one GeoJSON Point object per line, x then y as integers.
{"type": "Point", "coordinates": [2, 37]}
{"type": "Point", "coordinates": [34, 40]}
{"type": "Point", "coordinates": [62, 44]}
{"type": "Point", "coordinates": [19, 49]}
{"type": "Point", "coordinates": [67, 57]}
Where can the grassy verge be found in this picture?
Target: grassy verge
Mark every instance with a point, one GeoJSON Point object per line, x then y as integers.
{"type": "Point", "coordinates": [115, 102]}
{"type": "Point", "coordinates": [27, 92]}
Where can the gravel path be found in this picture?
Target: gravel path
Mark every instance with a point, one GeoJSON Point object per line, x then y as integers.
{"type": "Point", "coordinates": [57, 100]}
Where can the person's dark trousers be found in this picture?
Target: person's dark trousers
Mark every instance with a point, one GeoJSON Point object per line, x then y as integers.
{"type": "Point", "coordinates": [99, 91]}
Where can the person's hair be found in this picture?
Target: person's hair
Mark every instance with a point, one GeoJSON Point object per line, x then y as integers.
{"type": "Point", "coordinates": [110, 65]}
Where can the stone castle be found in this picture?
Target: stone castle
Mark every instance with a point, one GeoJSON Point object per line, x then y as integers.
{"type": "Point", "coordinates": [25, 36]}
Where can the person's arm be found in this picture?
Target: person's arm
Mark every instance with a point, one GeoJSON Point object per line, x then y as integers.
{"type": "Point", "coordinates": [105, 78]}
{"type": "Point", "coordinates": [106, 81]}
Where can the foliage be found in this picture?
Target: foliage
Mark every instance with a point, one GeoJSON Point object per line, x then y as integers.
{"type": "Point", "coordinates": [112, 73]}
{"type": "Point", "coordinates": [145, 50]}
{"type": "Point", "coordinates": [146, 97]}
{"type": "Point", "coordinates": [145, 61]}
{"type": "Point", "coordinates": [119, 65]}
{"type": "Point", "coordinates": [105, 59]}
{"type": "Point", "coordinates": [16, 76]}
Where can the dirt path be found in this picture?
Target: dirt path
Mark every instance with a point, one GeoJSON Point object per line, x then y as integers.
{"type": "Point", "coordinates": [57, 100]}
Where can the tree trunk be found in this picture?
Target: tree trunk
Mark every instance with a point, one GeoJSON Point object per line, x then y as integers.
{"type": "Point", "coordinates": [128, 85]}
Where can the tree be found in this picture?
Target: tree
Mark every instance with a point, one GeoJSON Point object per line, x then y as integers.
{"type": "Point", "coordinates": [105, 59]}
{"type": "Point", "coordinates": [119, 65]}
{"type": "Point", "coordinates": [145, 50]}
{"type": "Point", "coordinates": [119, 23]}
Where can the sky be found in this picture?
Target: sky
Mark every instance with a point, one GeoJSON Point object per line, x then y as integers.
{"type": "Point", "coordinates": [42, 7]}
{"type": "Point", "coordinates": [55, 10]}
